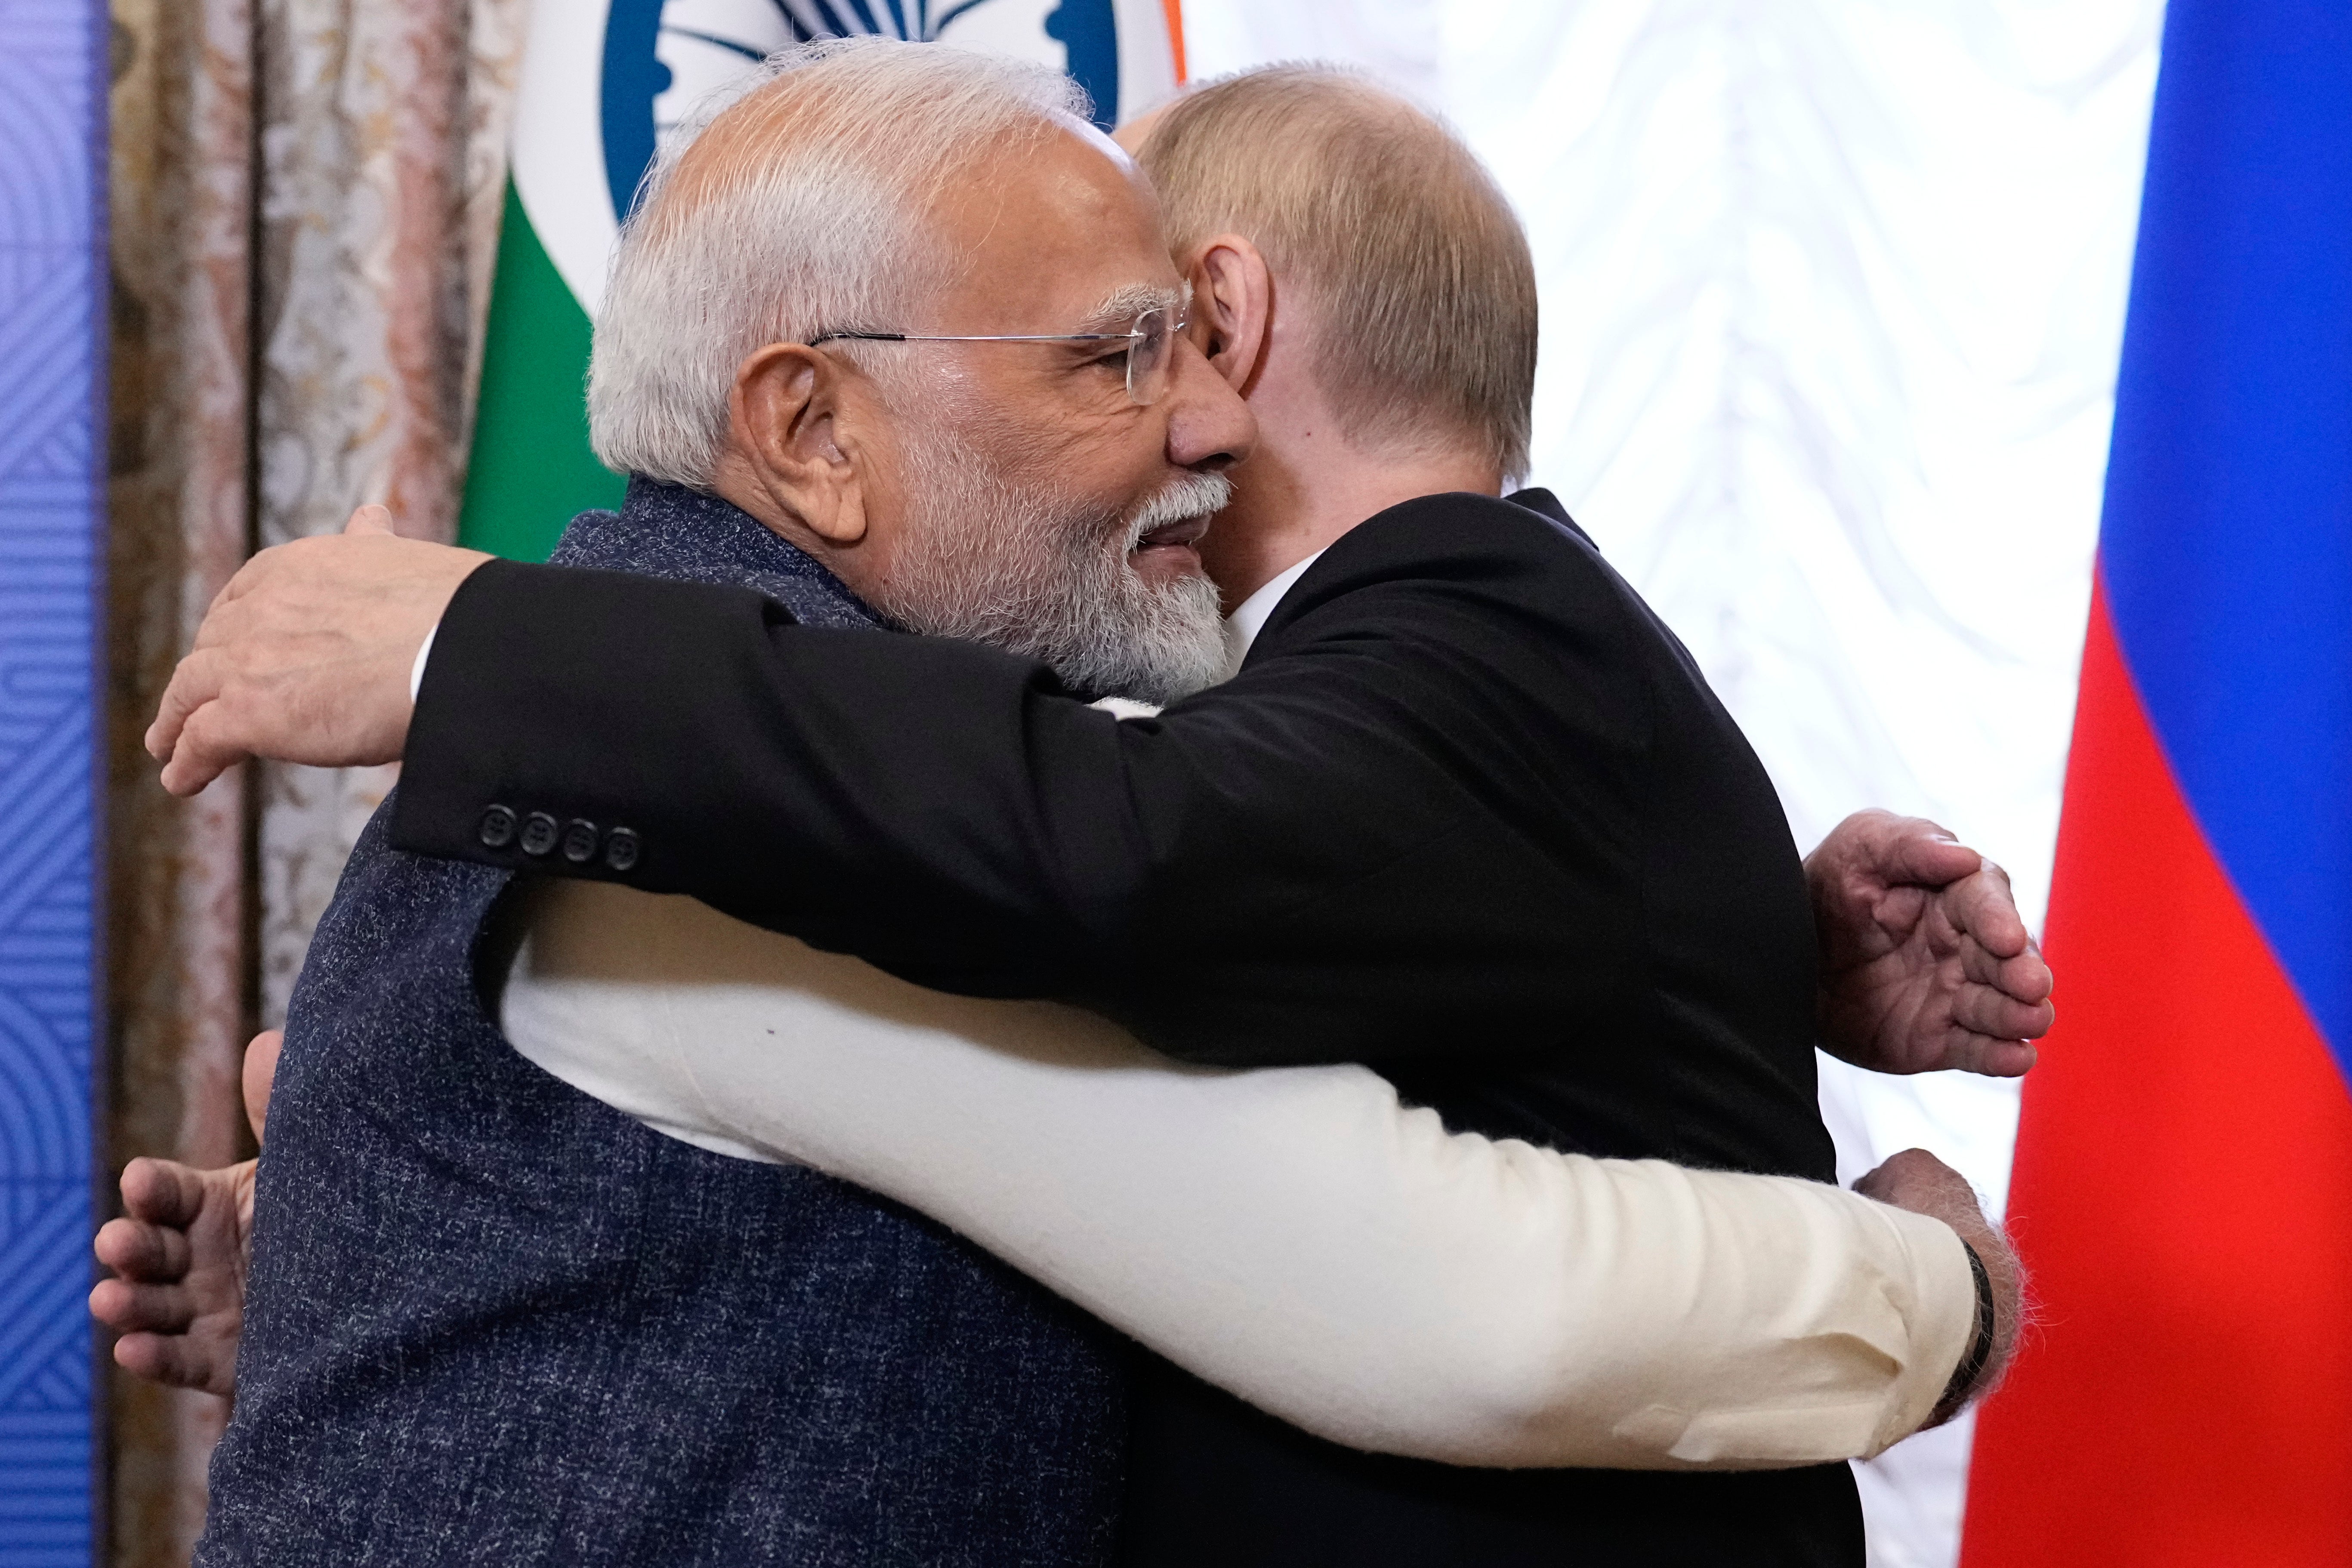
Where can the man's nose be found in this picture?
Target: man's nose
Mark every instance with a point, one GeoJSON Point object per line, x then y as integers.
{"type": "Point", "coordinates": [1209, 425]}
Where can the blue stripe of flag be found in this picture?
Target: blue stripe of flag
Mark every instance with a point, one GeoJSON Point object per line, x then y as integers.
{"type": "Point", "coordinates": [2227, 538]}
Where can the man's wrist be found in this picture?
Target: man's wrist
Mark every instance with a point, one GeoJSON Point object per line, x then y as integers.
{"type": "Point", "coordinates": [1973, 1361]}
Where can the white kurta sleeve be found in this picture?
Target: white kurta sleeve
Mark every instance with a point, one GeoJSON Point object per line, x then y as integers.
{"type": "Point", "coordinates": [1294, 1236]}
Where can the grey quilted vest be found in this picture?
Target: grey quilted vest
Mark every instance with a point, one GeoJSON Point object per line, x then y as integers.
{"type": "Point", "coordinates": [493, 1320]}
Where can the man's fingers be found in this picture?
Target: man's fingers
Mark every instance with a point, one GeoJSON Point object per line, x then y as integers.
{"type": "Point", "coordinates": [129, 1309]}
{"type": "Point", "coordinates": [1983, 1011]}
{"type": "Point", "coordinates": [1898, 908]}
{"type": "Point", "coordinates": [1899, 850]}
{"type": "Point", "coordinates": [2005, 998]}
{"type": "Point", "coordinates": [1988, 1058]}
{"type": "Point", "coordinates": [144, 1253]}
{"type": "Point", "coordinates": [1982, 907]}
{"type": "Point", "coordinates": [2023, 975]}
{"type": "Point", "coordinates": [2027, 976]}
{"type": "Point", "coordinates": [372, 517]}
{"type": "Point", "coordinates": [174, 1361]}
{"type": "Point", "coordinates": [211, 741]}
{"type": "Point", "coordinates": [197, 682]}
{"type": "Point", "coordinates": [1923, 854]}
{"type": "Point", "coordinates": [2008, 1058]}
{"type": "Point", "coordinates": [163, 1192]}
{"type": "Point", "coordinates": [144, 1356]}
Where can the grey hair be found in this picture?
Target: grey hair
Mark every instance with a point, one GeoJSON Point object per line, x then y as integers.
{"type": "Point", "coordinates": [816, 226]}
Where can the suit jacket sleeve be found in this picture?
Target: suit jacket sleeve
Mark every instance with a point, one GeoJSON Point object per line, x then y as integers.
{"type": "Point", "coordinates": [1254, 876]}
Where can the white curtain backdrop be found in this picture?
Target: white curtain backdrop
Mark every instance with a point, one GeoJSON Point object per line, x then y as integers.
{"type": "Point", "coordinates": [1833, 295]}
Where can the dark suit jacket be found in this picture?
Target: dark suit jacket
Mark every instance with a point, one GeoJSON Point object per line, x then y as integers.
{"type": "Point", "coordinates": [1469, 813]}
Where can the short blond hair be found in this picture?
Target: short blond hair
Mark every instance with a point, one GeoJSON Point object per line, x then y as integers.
{"type": "Point", "coordinates": [1418, 268]}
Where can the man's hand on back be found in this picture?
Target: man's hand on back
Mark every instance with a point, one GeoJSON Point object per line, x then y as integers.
{"type": "Point", "coordinates": [179, 1255]}
{"type": "Point", "coordinates": [306, 655]}
{"type": "Point", "coordinates": [1918, 1181]}
{"type": "Point", "coordinates": [1926, 964]}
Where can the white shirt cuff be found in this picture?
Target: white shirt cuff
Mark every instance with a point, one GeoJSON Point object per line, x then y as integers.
{"type": "Point", "coordinates": [417, 670]}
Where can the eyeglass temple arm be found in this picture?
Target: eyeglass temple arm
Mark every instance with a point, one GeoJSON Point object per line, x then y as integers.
{"type": "Point", "coordinates": [980, 337]}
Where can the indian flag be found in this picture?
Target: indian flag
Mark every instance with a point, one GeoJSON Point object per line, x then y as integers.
{"type": "Point", "coordinates": [601, 79]}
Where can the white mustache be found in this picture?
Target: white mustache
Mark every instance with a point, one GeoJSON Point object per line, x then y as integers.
{"type": "Point", "coordinates": [1187, 497]}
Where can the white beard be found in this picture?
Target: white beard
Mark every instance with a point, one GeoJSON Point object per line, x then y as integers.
{"type": "Point", "coordinates": [1044, 579]}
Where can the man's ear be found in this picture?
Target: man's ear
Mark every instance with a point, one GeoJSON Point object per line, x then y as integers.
{"type": "Point", "coordinates": [796, 416]}
{"type": "Point", "coordinates": [1233, 308]}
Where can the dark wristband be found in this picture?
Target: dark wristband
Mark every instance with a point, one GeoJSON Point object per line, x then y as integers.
{"type": "Point", "coordinates": [1973, 1365]}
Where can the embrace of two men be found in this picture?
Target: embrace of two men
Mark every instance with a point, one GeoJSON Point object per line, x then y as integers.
{"type": "Point", "coordinates": [882, 1026]}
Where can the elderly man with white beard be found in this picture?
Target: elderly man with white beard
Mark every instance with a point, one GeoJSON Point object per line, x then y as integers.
{"type": "Point", "coordinates": [454, 1249]}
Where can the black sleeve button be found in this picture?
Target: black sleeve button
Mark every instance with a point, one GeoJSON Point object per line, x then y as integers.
{"type": "Point", "coordinates": [580, 838]}
{"type": "Point", "coordinates": [539, 833]}
{"type": "Point", "coordinates": [497, 828]}
{"type": "Point", "coordinates": [621, 849]}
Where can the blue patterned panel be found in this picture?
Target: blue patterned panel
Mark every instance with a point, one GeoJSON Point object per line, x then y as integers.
{"type": "Point", "coordinates": [51, 146]}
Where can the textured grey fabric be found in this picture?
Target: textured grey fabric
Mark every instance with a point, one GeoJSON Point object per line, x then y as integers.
{"type": "Point", "coordinates": [493, 1320]}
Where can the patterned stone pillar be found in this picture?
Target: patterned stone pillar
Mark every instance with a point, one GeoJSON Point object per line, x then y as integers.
{"type": "Point", "coordinates": [304, 207]}
{"type": "Point", "coordinates": [183, 200]}
{"type": "Point", "coordinates": [383, 166]}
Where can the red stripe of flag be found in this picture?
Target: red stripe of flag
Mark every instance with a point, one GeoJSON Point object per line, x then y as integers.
{"type": "Point", "coordinates": [2183, 1194]}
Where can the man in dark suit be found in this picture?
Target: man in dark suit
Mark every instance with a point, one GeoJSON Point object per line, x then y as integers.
{"type": "Point", "coordinates": [1467, 813]}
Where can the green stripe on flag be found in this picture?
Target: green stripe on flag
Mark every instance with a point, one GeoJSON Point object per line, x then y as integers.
{"type": "Point", "coordinates": [531, 467]}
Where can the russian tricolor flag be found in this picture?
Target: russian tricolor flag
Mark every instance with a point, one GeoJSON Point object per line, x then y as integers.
{"type": "Point", "coordinates": [2183, 1187]}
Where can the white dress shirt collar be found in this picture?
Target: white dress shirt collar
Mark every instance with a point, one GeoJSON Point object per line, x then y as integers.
{"type": "Point", "coordinates": [1250, 616]}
